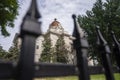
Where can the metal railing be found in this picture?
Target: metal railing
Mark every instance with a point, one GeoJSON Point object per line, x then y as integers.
{"type": "Point", "coordinates": [26, 69]}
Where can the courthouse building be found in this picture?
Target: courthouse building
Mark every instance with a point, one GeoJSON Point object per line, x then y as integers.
{"type": "Point", "coordinates": [55, 30]}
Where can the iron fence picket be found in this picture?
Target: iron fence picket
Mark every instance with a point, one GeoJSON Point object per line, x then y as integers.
{"type": "Point", "coordinates": [116, 49]}
{"type": "Point", "coordinates": [81, 47]}
{"type": "Point", "coordinates": [105, 55]}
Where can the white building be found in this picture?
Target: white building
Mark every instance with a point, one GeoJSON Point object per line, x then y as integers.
{"type": "Point", "coordinates": [54, 31]}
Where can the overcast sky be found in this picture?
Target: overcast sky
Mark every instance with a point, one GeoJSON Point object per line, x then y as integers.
{"type": "Point", "coordinates": [50, 9]}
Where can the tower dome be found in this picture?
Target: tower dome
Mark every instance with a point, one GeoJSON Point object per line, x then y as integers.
{"type": "Point", "coordinates": [55, 24]}
{"type": "Point", "coordinates": [55, 27]}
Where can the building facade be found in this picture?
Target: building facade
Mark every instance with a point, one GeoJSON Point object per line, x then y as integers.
{"type": "Point", "coordinates": [54, 32]}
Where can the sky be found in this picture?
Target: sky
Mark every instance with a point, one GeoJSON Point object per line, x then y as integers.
{"type": "Point", "coordinates": [49, 9]}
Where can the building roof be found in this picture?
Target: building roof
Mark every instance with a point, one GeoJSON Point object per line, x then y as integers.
{"type": "Point", "coordinates": [55, 24]}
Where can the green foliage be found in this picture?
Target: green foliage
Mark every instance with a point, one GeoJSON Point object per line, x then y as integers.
{"type": "Point", "coordinates": [8, 12]}
{"type": "Point", "coordinates": [54, 54]}
{"type": "Point", "coordinates": [13, 53]}
{"type": "Point", "coordinates": [2, 53]}
{"type": "Point", "coordinates": [106, 15]}
{"type": "Point", "coordinates": [61, 53]}
{"type": "Point", "coordinates": [47, 50]}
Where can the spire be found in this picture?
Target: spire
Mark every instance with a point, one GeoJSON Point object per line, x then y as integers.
{"type": "Point", "coordinates": [55, 19]}
{"type": "Point", "coordinates": [33, 10]}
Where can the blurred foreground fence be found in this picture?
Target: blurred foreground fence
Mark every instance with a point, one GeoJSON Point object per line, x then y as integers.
{"type": "Point", "coordinates": [26, 69]}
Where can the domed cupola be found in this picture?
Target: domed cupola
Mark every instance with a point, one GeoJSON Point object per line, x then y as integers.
{"type": "Point", "coordinates": [55, 26]}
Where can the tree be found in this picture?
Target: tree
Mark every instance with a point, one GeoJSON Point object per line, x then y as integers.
{"type": "Point", "coordinates": [61, 53]}
{"type": "Point", "coordinates": [47, 48]}
{"type": "Point", "coordinates": [106, 15]}
{"type": "Point", "coordinates": [8, 12]}
{"type": "Point", "coordinates": [13, 53]}
{"type": "Point", "coordinates": [2, 53]}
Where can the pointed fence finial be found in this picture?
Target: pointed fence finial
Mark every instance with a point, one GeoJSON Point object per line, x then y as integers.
{"type": "Point", "coordinates": [33, 10]}
{"type": "Point", "coordinates": [81, 46]}
{"type": "Point", "coordinates": [116, 49]}
{"type": "Point", "coordinates": [30, 30]}
{"type": "Point", "coordinates": [105, 55]}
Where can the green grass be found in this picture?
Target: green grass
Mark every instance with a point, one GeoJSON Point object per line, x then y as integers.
{"type": "Point", "coordinates": [102, 77]}
{"type": "Point", "coordinates": [60, 78]}
{"type": "Point", "coordinates": [93, 77]}
{"type": "Point", "coordinates": [117, 76]}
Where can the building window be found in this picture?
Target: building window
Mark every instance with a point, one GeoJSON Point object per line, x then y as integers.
{"type": "Point", "coordinates": [37, 47]}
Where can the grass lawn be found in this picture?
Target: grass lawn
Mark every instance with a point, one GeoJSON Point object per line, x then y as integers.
{"type": "Point", "coordinates": [102, 77]}
{"type": "Point", "coordinates": [93, 77]}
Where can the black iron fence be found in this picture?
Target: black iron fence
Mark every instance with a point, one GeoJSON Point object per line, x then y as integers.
{"type": "Point", "coordinates": [26, 69]}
